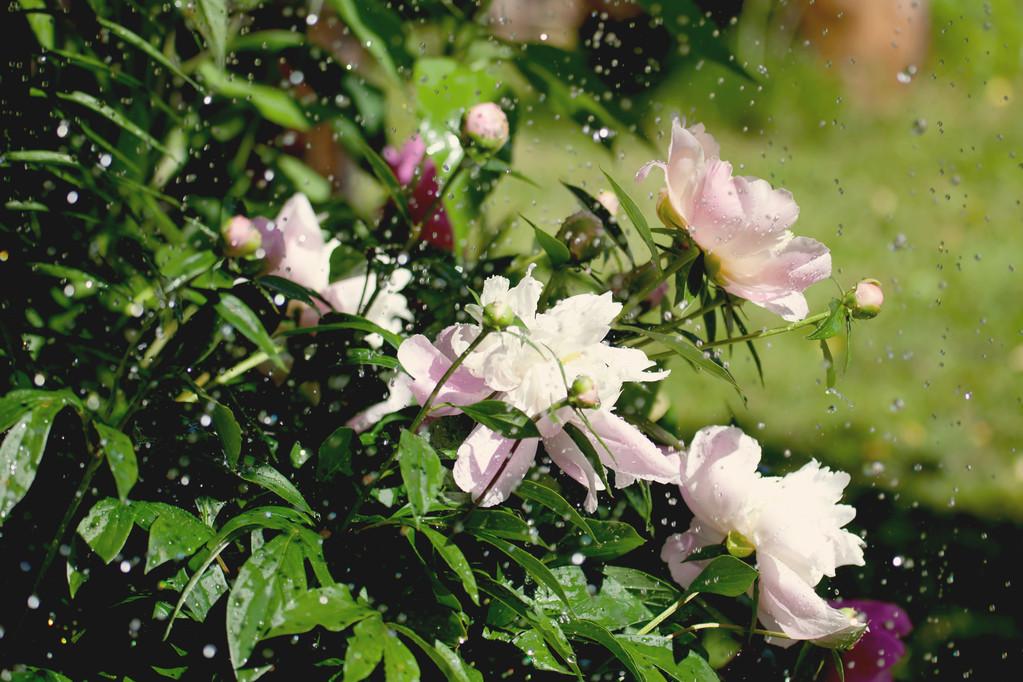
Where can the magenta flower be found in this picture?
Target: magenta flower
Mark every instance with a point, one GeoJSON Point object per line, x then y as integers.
{"type": "Point", "coordinates": [740, 223]}
{"type": "Point", "coordinates": [881, 647]}
{"type": "Point", "coordinates": [413, 168]}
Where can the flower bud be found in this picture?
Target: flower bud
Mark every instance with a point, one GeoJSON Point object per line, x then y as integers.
{"type": "Point", "coordinates": [866, 299]}
{"type": "Point", "coordinates": [583, 234]}
{"type": "Point", "coordinates": [738, 545]}
{"type": "Point", "coordinates": [486, 125]}
{"type": "Point", "coordinates": [498, 315]}
{"type": "Point", "coordinates": [241, 237]}
{"type": "Point", "coordinates": [847, 637]}
{"type": "Point", "coordinates": [609, 200]}
{"type": "Point", "coordinates": [667, 213]}
{"type": "Point", "coordinates": [584, 394]}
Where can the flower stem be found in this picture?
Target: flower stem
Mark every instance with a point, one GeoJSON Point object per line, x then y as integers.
{"type": "Point", "coordinates": [638, 298]}
{"type": "Point", "coordinates": [425, 410]}
{"type": "Point", "coordinates": [666, 613]}
{"type": "Point", "coordinates": [762, 334]}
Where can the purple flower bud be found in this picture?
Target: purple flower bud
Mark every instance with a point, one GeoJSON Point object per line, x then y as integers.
{"type": "Point", "coordinates": [486, 125]}
{"type": "Point", "coordinates": [866, 299]}
{"type": "Point", "coordinates": [241, 237]}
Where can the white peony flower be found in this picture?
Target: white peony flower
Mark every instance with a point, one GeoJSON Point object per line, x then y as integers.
{"type": "Point", "coordinates": [532, 367]}
{"type": "Point", "coordinates": [794, 522]}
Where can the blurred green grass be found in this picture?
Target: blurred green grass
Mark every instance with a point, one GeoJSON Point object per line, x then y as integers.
{"type": "Point", "coordinates": [920, 189]}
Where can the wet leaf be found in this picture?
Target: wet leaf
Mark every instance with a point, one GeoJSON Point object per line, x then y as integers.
{"type": "Point", "coordinates": [267, 477]}
{"type": "Point", "coordinates": [240, 316]}
{"type": "Point", "coordinates": [106, 527]}
{"type": "Point", "coordinates": [120, 457]}
{"type": "Point", "coordinates": [498, 416]}
{"type": "Point", "coordinates": [455, 560]}
{"type": "Point", "coordinates": [725, 575]}
{"type": "Point", "coordinates": [421, 471]}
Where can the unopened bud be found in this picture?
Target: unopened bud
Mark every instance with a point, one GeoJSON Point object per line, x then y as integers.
{"type": "Point", "coordinates": [738, 545]}
{"type": "Point", "coordinates": [667, 212]}
{"type": "Point", "coordinates": [583, 234]}
{"type": "Point", "coordinates": [498, 315]}
{"type": "Point", "coordinates": [486, 125]}
{"type": "Point", "coordinates": [241, 237]}
{"type": "Point", "coordinates": [584, 394]}
{"type": "Point", "coordinates": [866, 299]}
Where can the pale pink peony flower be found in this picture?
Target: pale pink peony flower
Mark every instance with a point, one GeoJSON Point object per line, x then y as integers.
{"type": "Point", "coordinates": [294, 248]}
{"type": "Point", "coordinates": [533, 369]}
{"type": "Point", "coordinates": [794, 522]}
{"type": "Point", "coordinates": [740, 223]}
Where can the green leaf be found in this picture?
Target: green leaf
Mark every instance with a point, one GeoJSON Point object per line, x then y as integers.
{"type": "Point", "coordinates": [833, 324]}
{"type": "Point", "coordinates": [556, 252]}
{"type": "Point", "coordinates": [454, 558]}
{"type": "Point", "coordinates": [456, 669]}
{"type": "Point", "coordinates": [695, 669]}
{"type": "Point", "coordinates": [687, 351]}
{"type": "Point", "coordinates": [141, 43]}
{"type": "Point", "coordinates": [229, 431]}
{"type": "Point", "coordinates": [175, 534]}
{"type": "Point", "coordinates": [42, 26]}
{"type": "Point", "coordinates": [289, 289]}
{"type": "Point", "coordinates": [651, 590]}
{"type": "Point", "coordinates": [331, 607]}
{"type": "Point", "coordinates": [344, 260]}
{"type": "Point", "coordinates": [585, 445]}
{"type": "Point", "coordinates": [210, 588]}
{"type": "Point", "coordinates": [690, 25]}
{"type": "Point", "coordinates": [275, 105]}
{"type": "Point", "coordinates": [535, 568]}
{"type": "Point", "coordinates": [508, 420]}
{"type": "Point", "coordinates": [267, 477]}
{"type": "Point", "coordinates": [40, 156]}
{"type": "Point", "coordinates": [299, 455]}
{"type": "Point", "coordinates": [211, 20]}
{"type": "Point", "coordinates": [18, 402]}
{"type": "Point", "coordinates": [241, 317]}
{"type": "Point", "coordinates": [22, 450]}
{"type": "Point", "coordinates": [595, 633]}
{"type": "Point", "coordinates": [541, 494]}
{"type": "Point", "coordinates": [106, 527]}
{"type": "Point", "coordinates": [610, 540]}
{"type": "Point", "coordinates": [113, 115]}
{"type": "Point", "coordinates": [399, 663]}
{"type": "Point", "coordinates": [531, 642]}
{"type": "Point", "coordinates": [638, 220]}
{"type": "Point", "coordinates": [120, 457]}
{"type": "Point", "coordinates": [350, 135]}
{"type": "Point", "coordinates": [304, 179]}
{"type": "Point", "coordinates": [380, 32]}
{"type": "Point", "coordinates": [725, 575]}
{"type": "Point", "coordinates": [829, 364]}
{"type": "Point", "coordinates": [421, 471]}
{"type": "Point", "coordinates": [342, 321]}
{"type": "Point", "coordinates": [75, 579]}
{"type": "Point", "coordinates": [502, 523]}
{"type": "Point", "coordinates": [372, 357]}
{"type": "Point", "coordinates": [257, 592]}
{"type": "Point", "coordinates": [610, 222]}
{"type": "Point", "coordinates": [365, 649]}
{"type": "Point", "coordinates": [335, 455]}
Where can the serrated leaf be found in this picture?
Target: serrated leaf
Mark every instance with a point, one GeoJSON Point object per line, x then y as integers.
{"type": "Point", "coordinates": [421, 470]}
{"type": "Point", "coordinates": [234, 311]}
{"type": "Point", "coordinates": [498, 416]}
{"type": "Point", "coordinates": [120, 455]}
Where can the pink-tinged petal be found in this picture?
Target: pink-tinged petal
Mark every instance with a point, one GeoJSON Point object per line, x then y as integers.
{"type": "Point", "coordinates": [297, 220]}
{"type": "Point", "coordinates": [272, 244]}
{"type": "Point", "coordinates": [687, 161]}
{"type": "Point", "coordinates": [791, 606]}
{"type": "Point", "coordinates": [711, 148]}
{"type": "Point", "coordinates": [775, 278]}
{"type": "Point", "coordinates": [679, 546]}
{"type": "Point", "coordinates": [570, 459]}
{"type": "Point", "coordinates": [427, 365]}
{"type": "Point", "coordinates": [719, 478]}
{"type": "Point", "coordinates": [492, 466]}
{"type": "Point", "coordinates": [627, 450]}
{"type": "Point", "coordinates": [405, 161]}
{"type": "Point", "coordinates": [715, 214]}
{"type": "Point", "coordinates": [767, 209]}
{"type": "Point", "coordinates": [399, 397]}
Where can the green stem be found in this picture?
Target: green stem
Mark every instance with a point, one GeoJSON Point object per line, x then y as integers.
{"type": "Point", "coordinates": [763, 334]}
{"type": "Point", "coordinates": [638, 341]}
{"type": "Point", "coordinates": [666, 613]}
{"type": "Point", "coordinates": [425, 410]}
{"type": "Point", "coordinates": [677, 265]}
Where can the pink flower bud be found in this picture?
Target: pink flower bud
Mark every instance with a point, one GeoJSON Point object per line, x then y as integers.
{"type": "Point", "coordinates": [486, 125]}
{"type": "Point", "coordinates": [241, 237]}
{"type": "Point", "coordinates": [867, 299]}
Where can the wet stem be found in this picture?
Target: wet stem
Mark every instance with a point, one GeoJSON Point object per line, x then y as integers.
{"type": "Point", "coordinates": [763, 334]}
{"type": "Point", "coordinates": [385, 470]}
